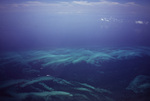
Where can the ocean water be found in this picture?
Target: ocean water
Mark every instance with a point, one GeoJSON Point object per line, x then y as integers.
{"type": "Point", "coordinates": [76, 74]}
{"type": "Point", "coordinates": [74, 57]}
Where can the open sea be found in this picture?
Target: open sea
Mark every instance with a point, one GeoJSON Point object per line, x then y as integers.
{"type": "Point", "coordinates": [46, 55]}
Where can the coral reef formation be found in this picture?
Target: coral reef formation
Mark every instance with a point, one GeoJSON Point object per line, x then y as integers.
{"type": "Point", "coordinates": [51, 89]}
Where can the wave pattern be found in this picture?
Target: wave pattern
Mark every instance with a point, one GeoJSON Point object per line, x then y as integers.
{"type": "Point", "coordinates": [65, 56]}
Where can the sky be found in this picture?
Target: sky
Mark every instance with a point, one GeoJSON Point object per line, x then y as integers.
{"type": "Point", "coordinates": [78, 6]}
{"type": "Point", "coordinates": [47, 23]}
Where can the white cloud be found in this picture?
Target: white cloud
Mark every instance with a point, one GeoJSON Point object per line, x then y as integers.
{"type": "Point", "coordinates": [102, 6]}
{"type": "Point", "coordinates": [105, 19]}
{"type": "Point", "coordinates": [95, 3]}
{"type": "Point", "coordinates": [82, 3]}
{"type": "Point", "coordinates": [86, 3]}
{"type": "Point", "coordinates": [111, 19]}
{"type": "Point", "coordinates": [141, 22]}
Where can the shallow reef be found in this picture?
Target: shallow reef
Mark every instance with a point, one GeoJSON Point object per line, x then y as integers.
{"type": "Point", "coordinates": [76, 74]}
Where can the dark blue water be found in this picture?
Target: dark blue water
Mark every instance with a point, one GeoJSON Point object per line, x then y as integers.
{"type": "Point", "coordinates": [76, 74]}
{"type": "Point", "coordinates": [74, 57]}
